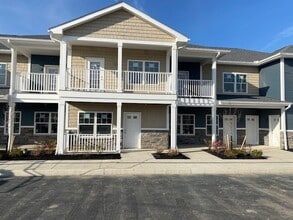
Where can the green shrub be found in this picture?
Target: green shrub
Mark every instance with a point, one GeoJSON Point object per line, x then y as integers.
{"type": "Point", "coordinates": [15, 153]}
{"type": "Point", "coordinates": [256, 153]}
{"type": "Point", "coordinates": [230, 154]}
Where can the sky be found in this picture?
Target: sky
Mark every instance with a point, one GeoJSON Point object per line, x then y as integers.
{"type": "Point", "coordinates": [262, 25]}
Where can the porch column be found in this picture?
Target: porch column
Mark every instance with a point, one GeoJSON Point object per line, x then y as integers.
{"type": "Point", "coordinates": [173, 126]}
{"type": "Point", "coordinates": [174, 68]}
{"type": "Point", "coordinates": [284, 128]}
{"type": "Point", "coordinates": [283, 98]}
{"type": "Point", "coordinates": [11, 102]}
{"type": "Point", "coordinates": [61, 127]}
{"type": "Point", "coordinates": [120, 45]}
{"type": "Point", "coordinates": [214, 96]}
{"type": "Point", "coordinates": [62, 66]}
{"type": "Point", "coordinates": [118, 127]}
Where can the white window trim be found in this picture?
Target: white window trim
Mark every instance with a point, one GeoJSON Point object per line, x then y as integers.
{"type": "Point", "coordinates": [6, 121]}
{"type": "Point", "coordinates": [95, 124]}
{"type": "Point", "coordinates": [235, 82]}
{"type": "Point", "coordinates": [143, 66]}
{"type": "Point", "coordinates": [181, 125]}
{"type": "Point", "coordinates": [217, 124]}
{"type": "Point", "coordinates": [5, 80]}
{"type": "Point", "coordinates": [49, 124]}
{"type": "Point", "coordinates": [50, 66]}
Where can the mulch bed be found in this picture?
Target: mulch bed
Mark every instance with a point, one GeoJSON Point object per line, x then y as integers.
{"type": "Point", "coordinates": [167, 156]}
{"type": "Point", "coordinates": [65, 157]}
{"type": "Point", "coordinates": [223, 156]}
{"type": "Point", "coordinates": [291, 150]}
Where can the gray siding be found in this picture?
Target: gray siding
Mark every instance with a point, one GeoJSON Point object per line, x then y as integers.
{"type": "Point", "coordinates": [192, 68]}
{"type": "Point", "coordinates": [289, 90]}
{"type": "Point", "coordinates": [270, 80]}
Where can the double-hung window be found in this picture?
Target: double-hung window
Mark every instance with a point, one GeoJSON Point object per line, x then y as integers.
{"type": "Point", "coordinates": [185, 124]}
{"type": "Point", "coordinates": [17, 121]}
{"type": "Point", "coordinates": [234, 83]}
{"type": "Point", "coordinates": [3, 74]}
{"type": "Point", "coordinates": [209, 123]}
{"type": "Point", "coordinates": [46, 122]}
{"type": "Point", "coordinates": [143, 71]}
{"type": "Point", "coordinates": [95, 123]}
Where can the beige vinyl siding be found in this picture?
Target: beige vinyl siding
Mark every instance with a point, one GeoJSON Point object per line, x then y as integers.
{"type": "Point", "coordinates": [252, 75]}
{"type": "Point", "coordinates": [152, 116]}
{"type": "Point", "coordinates": [21, 67]}
{"type": "Point", "coordinates": [120, 25]}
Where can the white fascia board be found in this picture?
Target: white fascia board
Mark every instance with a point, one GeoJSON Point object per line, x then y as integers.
{"type": "Point", "coordinates": [207, 50]}
{"type": "Point", "coordinates": [251, 104]}
{"type": "Point", "coordinates": [3, 51]}
{"type": "Point", "coordinates": [59, 29]}
{"type": "Point", "coordinates": [237, 63]}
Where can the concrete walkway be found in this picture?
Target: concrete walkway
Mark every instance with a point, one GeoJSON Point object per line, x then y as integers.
{"type": "Point", "coordinates": [141, 162]}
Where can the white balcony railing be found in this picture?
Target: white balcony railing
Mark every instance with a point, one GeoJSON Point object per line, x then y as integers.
{"type": "Point", "coordinates": [90, 143]}
{"type": "Point", "coordinates": [195, 88]}
{"type": "Point", "coordinates": [36, 82]}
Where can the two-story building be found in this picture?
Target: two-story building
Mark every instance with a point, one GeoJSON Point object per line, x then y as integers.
{"type": "Point", "coordinates": [117, 79]}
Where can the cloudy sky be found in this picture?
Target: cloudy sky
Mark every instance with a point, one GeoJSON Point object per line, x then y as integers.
{"type": "Point", "coordinates": [264, 25]}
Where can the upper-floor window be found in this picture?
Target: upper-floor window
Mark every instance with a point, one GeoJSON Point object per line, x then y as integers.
{"type": "Point", "coordinates": [150, 68]}
{"type": "Point", "coordinates": [51, 69]}
{"type": "Point", "coordinates": [234, 83]}
{"type": "Point", "coordinates": [3, 74]}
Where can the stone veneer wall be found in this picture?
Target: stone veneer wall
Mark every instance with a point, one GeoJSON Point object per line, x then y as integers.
{"type": "Point", "coordinates": [263, 137]}
{"type": "Point", "coordinates": [198, 138]}
{"type": "Point", "coordinates": [289, 140]}
{"type": "Point", "coordinates": [153, 139]}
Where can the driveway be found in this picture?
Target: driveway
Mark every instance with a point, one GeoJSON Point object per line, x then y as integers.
{"type": "Point", "coordinates": [148, 197]}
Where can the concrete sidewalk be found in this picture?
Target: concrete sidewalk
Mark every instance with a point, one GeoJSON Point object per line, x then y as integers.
{"type": "Point", "coordinates": [141, 162]}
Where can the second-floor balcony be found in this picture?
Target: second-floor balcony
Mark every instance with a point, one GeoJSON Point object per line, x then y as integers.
{"type": "Point", "coordinates": [195, 88]}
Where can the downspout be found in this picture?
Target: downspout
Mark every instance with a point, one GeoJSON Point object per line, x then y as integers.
{"type": "Point", "coordinates": [285, 129]}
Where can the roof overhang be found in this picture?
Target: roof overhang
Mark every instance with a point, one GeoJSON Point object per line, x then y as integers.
{"type": "Point", "coordinates": [200, 53]}
{"type": "Point", "coordinates": [29, 46]}
{"type": "Point", "coordinates": [59, 30]}
{"type": "Point", "coordinates": [250, 104]}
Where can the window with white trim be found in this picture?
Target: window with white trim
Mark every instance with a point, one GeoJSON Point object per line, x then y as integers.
{"type": "Point", "coordinates": [51, 69]}
{"type": "Point", "coordinates": [95, 123]}
{"type": "Point", "coordinates": [185, 124]}
{"type": "Point", "coordinates": [150, 67]}
{"type": "Point", "coordinates": [209, 123]}
{"type": "Point", "coordinates": [234, 83]}
{"type": "Point", "coordinates": [17, 121]}
{"type": "Point", "coordinates": [46, 122]}
{"type": "Point", "coordinates": [3, 74]}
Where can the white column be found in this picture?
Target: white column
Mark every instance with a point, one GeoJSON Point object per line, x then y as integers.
{"type": "Point", "coordinates": [174, 68]}
{"type": "Point", "coordinates": [120, 45]}
{"type": "Point", "coordinates": [61, 127]}
{"type": "Point", "coordinates": [11, 102]}
{"type": "Point", "coordinates": [173, 126]}
{"type": "Point", "coordinates": [282, 79]}
{"type": "Point", "coordinates": [284, 128]}
{"type": "Point", "coordinates": [69, 56]}
{"type": "Point", "coordinates": [214, 95]}
{"type": "Point", "coordinates": [62, 66]}
{"type": "Point", "coordinates": [118, 126]}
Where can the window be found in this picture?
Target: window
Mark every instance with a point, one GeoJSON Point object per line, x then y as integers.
{"type": "Point", "coordinates": [95, 123]}
{"type": "Point", "coordinates": [150, 67]}
{"type": "Point", "coordinates": [46, 122]}
{"type": "Point", "coordinates": [2, 74]}
{"type": "Point", "coordinates": [185, 124]}
{"type": "Point", "coordinates": [51, 69]}
{"type": "Point", "coordinates": [209, 125]}
{"type": "Point", "coordinates": [17, 121]}
{"type": "Point", "coordinates": [235, 83]}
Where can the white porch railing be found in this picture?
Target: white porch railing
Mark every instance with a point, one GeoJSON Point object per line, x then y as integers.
{"type": "Point", "coordinates": [150, 82]}
{"type": "Point", "coordinates": [36, 82]}
{"type": "Point", "coordinates": [195, 88]}
{"type": "Point", "coordinates": [90, 143]}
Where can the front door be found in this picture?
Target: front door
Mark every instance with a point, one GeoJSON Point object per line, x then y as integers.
{"type": "Point", "coordinates": [131, 130]}
{"type": "Point", "coordinates": [252, 129]}
{"type": "Point", "coordinates": [95, 68]}
{"type": "Point", "coordinates": [274, 129]}
{"type": "Point", "coordinates": [229, 129]}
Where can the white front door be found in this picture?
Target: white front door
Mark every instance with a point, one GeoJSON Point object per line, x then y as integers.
{"type": "Point", "coordinates": [95, 68]}
{"type": "Point", "coordinates": [131, 130]}
{"type": "Point", "coordinates": [229, 129]}
{"type": "Point", "coordinates": [274, 129]}
{"type": "Point", "coordinates": [252, 133]}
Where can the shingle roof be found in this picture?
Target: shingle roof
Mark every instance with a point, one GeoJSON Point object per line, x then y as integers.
{"type": "Point", "coordinates": [287, 49]}
{"type": "Point", "coordinates": [40, 37]}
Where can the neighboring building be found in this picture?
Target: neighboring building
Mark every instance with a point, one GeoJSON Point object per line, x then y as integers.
{"type": "Point", "coordinates": [117, 78]}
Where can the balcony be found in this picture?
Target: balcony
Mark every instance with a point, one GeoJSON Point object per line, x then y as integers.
{"type": "Point", "coordinates": [107, 81]}
{"type": "Point", "coordinates": [36, 83]}
{"type": "Point", "coordinates": [195, 88]}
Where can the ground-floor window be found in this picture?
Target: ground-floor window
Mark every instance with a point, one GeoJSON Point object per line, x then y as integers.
{"type": "Point", "coordinates": [95, 122]}
{"type": "Point", "coordinates": [17, 121]}
{"type": "Point", "coordinates": [209, 123]}
{"type": "Point", "coordinates": [185, 124]}
{"type": "Point", "coordinates": [45, 123]}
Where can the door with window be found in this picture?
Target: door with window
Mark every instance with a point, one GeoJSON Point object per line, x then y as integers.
{"type": "Point", "coordinates": [229, 129]}
{"type": "Point", "coordinates": [131, 130]}
{"type": "Point", "coordinates": [95, 68]}
{"type": "Point", "coordinates": [274, 130]}
{"type": "Point", "coordinates": [252, 134]}
{"type": "Point", "coordinates": [50, 77]}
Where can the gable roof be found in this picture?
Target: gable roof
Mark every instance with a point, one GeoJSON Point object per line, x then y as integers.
{"type": "Point", "coordinates": [121, 5]}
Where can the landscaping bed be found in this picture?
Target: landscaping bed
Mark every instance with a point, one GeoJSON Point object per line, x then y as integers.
{"type": "Point", "coordinates": [237, 154]}
{"type": "Point", "coordinates": [167, 156]}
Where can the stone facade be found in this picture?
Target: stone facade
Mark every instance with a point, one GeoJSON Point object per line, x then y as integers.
{"type": "Point", "coordinates": [198, 138]}
{"type": "Point", "coordinates": [153, 139]}
{"type": "Point", "coordinates": [264, 137]}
